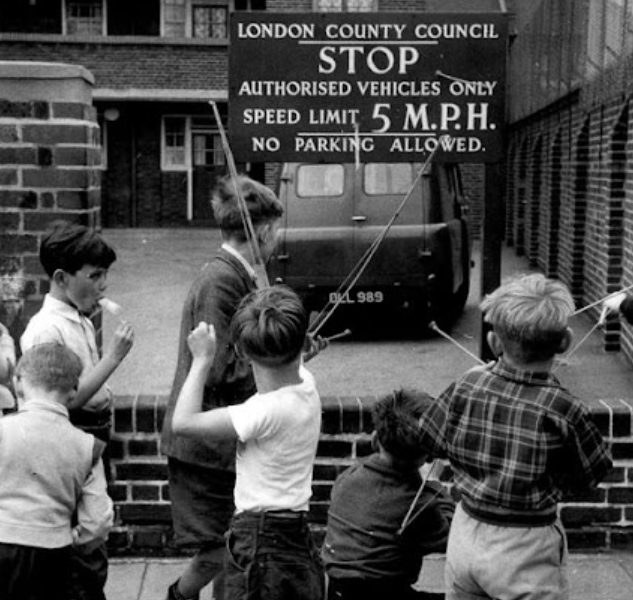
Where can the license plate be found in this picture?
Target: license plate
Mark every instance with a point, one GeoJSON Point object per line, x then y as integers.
{"type": "Point", "coordinates": [357, 297]}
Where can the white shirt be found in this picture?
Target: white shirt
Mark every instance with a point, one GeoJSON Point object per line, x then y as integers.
{"type": "Point", "coordinates": [278, 435]}
{"type": "Point", "coordinates": [58, 322]}
{"type": "Point", "coordinates": [249, 268]}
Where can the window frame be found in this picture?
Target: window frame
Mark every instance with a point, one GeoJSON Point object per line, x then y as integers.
{"type": "Point", "coordinates": [169, 166]}
{"type": "Point", "coordinates": [189, 20]}
{"type": "Point", "coordinates": [344, 7]}
{"type": "Point", "coordinates": [104, 18]}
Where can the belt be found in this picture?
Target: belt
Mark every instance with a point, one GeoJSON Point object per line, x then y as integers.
{"type": "Point", "coordinates": [272, 514]}
{"type": "Point", "coordinates": [278, 520]}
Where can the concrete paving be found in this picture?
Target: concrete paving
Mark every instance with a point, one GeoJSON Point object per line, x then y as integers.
{"type": "Point", "coordinates": [592, 577]}
{"type": "Point", "coordinates": [156, 267]}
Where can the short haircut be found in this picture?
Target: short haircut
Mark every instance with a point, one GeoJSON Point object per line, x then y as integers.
{"type": "Point", "coordinates": [69, 247]}
{"type": "Point", "coordinates": [50, 366]}
{"type": "Point", "coordinates": [262, 204]}
{"type": "Point", "coordinates": [270, 326]}
{"type": "Point", "coordinates": [396, 421]}
{"type": "Point", "coordinates": [530, 314]}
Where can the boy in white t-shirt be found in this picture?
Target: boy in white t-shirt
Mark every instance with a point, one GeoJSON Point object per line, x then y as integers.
{"type": "Point", "coordinates": [270, 552]}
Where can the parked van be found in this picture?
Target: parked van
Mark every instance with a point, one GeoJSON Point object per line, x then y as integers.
{"type": "Point", "coordinates": [334, 212]}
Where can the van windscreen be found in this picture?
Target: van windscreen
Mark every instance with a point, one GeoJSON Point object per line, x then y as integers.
{"type": "Point", "coordinates": [320, 180]}
{"type": "Point", "coordinates": [387, 178]}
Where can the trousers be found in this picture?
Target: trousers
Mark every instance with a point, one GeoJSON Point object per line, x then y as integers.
{"type": "Point", "coordinates": [272, 556]}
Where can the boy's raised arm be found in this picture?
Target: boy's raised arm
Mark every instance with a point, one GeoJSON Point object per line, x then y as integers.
{"type": "Point", "coordinates": [93, 379]}
{"type": "Point", "coordinates": [189, 420]}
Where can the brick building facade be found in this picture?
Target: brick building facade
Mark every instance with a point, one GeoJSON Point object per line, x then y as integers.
{"type": "Point", "coordinates": [569, 186]}
{"type": "Point", "coordinates": [156, 66]}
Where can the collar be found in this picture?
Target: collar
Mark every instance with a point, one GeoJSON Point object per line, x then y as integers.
{"type": "Point", "coordinates": [41, 404]}
{"type": "Point", "coordinates": [375, 462]}
{"type": "Point", "coordinates": [503, 369]}
{"type": "Point", "coordinates": [61, 308]}
{"type": "Point", "coordinates": [249, 269]}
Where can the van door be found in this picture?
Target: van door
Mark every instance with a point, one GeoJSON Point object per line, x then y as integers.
{"type": "Point", "coordinates": [316, 246]}
{"type": "Point", "coordinates": [380, 191]}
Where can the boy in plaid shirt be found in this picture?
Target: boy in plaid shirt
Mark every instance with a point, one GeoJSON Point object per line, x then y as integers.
{"type": "Point", "coordinates": [517, 440]}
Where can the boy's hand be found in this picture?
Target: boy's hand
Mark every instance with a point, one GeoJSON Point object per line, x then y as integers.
{"type": "Point", "coordinates": [313, 345]}
{"type": "Point", "coordinates": [611, 305]}
{"type": "Point", "coordinates": [202, 342]}
{"type": "Point", "coordinates": [121, 342]}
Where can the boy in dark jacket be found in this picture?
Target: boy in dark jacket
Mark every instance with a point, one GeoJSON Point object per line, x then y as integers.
{"type": "Point", "coordinates": [383, 516]}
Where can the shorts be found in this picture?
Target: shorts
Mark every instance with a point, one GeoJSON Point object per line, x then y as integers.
{"type": "Point", "coordinates": [272, 557]}
{"type": "Point", "coordinates": [502, 562]}
{"type": "Point", "coordinates": [201, 503]}
{"type": "Point", "coordinates": [28, 573]}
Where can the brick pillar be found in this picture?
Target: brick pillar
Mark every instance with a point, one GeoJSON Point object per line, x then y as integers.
{"type": "Point", "coordinates": [50, 157]}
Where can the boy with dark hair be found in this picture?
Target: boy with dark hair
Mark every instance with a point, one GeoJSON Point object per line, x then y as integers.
{"type": "Point", "coordinates": [384, 517]}
{"type": "Point", "coordinates": [517, 441]}
{"type": "Point", "coordinates": [269, 550]}
{"type": "Point", "coordinates": [51, 472]}
{"type": "Point", "coordinates": [77, 260]}
{"type": "Point", "coordinates": [202, 473]}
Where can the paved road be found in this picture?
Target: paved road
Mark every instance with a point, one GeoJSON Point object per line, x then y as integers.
{"type": "Point", "coordinates": [155, 268]}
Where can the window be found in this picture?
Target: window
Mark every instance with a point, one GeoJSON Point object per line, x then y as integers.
{"type": "Point", "coordinates": [345, 5]}
{"type": "Point", "coordinates": [84, 17]}
{"type": "Point", "coordinates": [198, 18]}
{"type": "Point", "coordinates": [320, 180]}
{"type": "Point", "coordinates": [249, 5]}
{"type": "Point", "coordinates": [388, 178]}
{"type": "Point", "coordinates": [175, 143]}
{"type": "Point", "coordinates": [210, 21]}
{"type": "Point", "coordinates": [174, 18]}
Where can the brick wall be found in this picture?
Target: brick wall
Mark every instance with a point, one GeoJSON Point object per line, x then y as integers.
{"type": "Point", "coordinates": [49, 169]}
{"type": "Point", "coordinates": [115, 64]}
{"type": "Point", "coordinates": [597, 520]}
{"type": "Point", "coordinates": [571, 198]}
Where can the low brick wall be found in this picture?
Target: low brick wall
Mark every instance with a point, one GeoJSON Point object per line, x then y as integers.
{"type": "Point", "coordinates": [598, 520]}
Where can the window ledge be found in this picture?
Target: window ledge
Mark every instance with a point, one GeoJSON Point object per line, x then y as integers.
{"type": "Point", "coordinates": [111, 39]}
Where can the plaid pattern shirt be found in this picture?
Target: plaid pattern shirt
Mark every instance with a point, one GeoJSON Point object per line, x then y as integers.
{"type": "Point", "coordinates": [516, 439]}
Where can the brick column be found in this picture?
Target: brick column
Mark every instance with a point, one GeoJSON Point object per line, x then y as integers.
{"type": "Point", "coordinates": [50, 169]}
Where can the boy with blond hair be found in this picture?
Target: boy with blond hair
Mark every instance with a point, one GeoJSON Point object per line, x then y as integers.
{"type": "Point", "coordinates": [269, 548]}
{"type": "Point", "coordinates": [517, 441]}
{"type": "Point", "coordinates": [51, 474]}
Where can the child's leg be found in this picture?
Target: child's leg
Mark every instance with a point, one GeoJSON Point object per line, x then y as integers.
{"type": "Point", "coordinates": [204, 567]}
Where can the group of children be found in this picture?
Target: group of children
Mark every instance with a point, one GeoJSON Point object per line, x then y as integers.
{"type": "Point", "coordinates": [515, 439]}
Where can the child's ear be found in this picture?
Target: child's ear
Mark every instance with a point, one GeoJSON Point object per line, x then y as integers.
{"type": "Point", "coordinates": [495, 343]}
{"type": "Point", "coordinates": [565, 343]}
{"type": "Point", "coordinates": [72, 395]}
{"type": "Point", "coordinates": [60, 277]}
